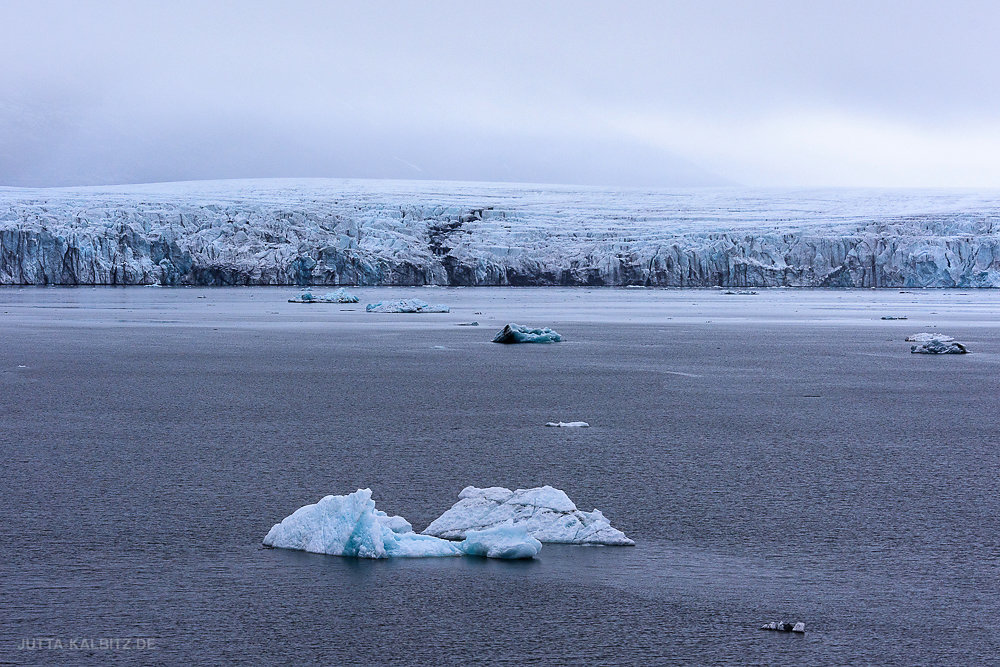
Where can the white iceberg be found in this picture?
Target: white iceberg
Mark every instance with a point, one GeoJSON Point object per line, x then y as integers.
{"type": "Point", "coordinates": [781, 626]}
{"type": "Point", "coordinates": [351, 526]}
{"type": "Point", "coordinates": [939, 345]}
{"type": "Point", "coordinates": [516, 333]}
{"type": "Point", "coordinates": [568, 424]}
{"type": "Point", "coordinates": [340, 296]}
{"type": "Point", "coordinates": [927, 337]}
{"type": "Point", "coordinates": [546, 513]}
{"type": "Point", "coordinates": [406, 306]}
{"type": "Point", "coordinates": [505, 541]}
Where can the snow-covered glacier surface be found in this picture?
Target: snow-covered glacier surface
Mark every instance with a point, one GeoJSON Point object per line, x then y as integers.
{"type": "Point", "coordinates": [349, 232]}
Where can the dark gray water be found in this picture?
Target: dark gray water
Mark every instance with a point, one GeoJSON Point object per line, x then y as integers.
{"type": "Point", "coordinates": [774, 457]}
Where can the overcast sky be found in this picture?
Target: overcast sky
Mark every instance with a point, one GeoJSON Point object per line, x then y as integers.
{"type": "Point", "coordinates": [617, 93]}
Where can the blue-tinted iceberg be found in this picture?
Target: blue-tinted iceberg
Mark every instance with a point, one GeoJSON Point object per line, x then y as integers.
{"type": "Point", "coordinates": [505, 541]}
{"type": "Point", "coordinates": [927, 337]}
{"type": "Point", "coordinates": [516, 333]}
{"type": "Point", "coordinates": [351, 526]}
{"type": "Point", "coordinates": [406, 306]}
{"type": "Point", "coordinates": [340, 296]}
{"type": "Point", "coordinates": [546, 513]}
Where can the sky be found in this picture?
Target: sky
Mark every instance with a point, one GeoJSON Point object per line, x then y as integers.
{"type": "Point", "coordinates": [646, 94]}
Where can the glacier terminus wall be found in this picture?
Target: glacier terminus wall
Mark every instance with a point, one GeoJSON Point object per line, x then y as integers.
{"type": "Point", "coordinates": [351, 232]}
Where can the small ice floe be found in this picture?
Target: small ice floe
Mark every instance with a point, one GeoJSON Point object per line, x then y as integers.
{"type": "Point", "coordinates": [894, 317]}
{"type": "Point", "coordinates": [927, 337]}
{"type": "Point", "coordinates": [781, 626]}
{"type": "Point", "coordinates": [742, 292]}
{"type": "Point", "coordinates": [406, 306]}
{"type": "Point", "coordinates": [21, 366]}
{"type": "Point", "coordinates": [351, 526]}
{"type": "Point", "coordinates": [546, 513]}
{"type": "Point", "coordinates": [468, 324]}
{"type": "Point", "coordinates": [942, 345]}
{"type": "Point", "coordinates": [340, 296]}
{"type": "Point", "coordinates": [507, 541]}
{"type": "Point", "coordinates": [568, 424]}
{"type": "Point", "coordinates": [516, 333]}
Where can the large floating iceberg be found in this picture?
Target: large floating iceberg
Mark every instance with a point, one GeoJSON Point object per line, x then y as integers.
{"type": "Point", "coordinates": [516, 333]}
{"type": "Point", "coordinates": [546, 513]}
{"type": "Point", "coordinates": [338, 232]}
{"type": "Point", "coordinates": [340, 296]}
{"type": "Point", "coordinates": [406, 306]}
{"type": "Point", "coordinates": [351, 526]}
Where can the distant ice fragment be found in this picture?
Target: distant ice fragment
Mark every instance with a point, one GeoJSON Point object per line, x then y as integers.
{"type": "Point", "coordinates": [340, 296]}
{"type": "Point", "coordinates": [568, 424]}
{"type": "Point", "coordinates": [406, 306]}
{"type": "Point", "coordinates": [516, 333]}
{"type": "Point", "coordinates": [742, 292]}
{"type": "Point", "coordinates": [468, 324]}
{"type": "Point", "coordinates": [927, 337]}
{"type": "Point", "coordinates": [504, 541]}
{"type": "Point", "coordinates": [942, 345]}
{"type": "Point", "coordinates": [546, 513]}
{"type": "Point", "coordinates": [894, 317]}
{"type": "Point", "coordinates": [781, 626]}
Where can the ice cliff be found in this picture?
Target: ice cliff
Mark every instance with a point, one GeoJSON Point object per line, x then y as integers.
{"type": "Point", "coordinates": [334, 232]}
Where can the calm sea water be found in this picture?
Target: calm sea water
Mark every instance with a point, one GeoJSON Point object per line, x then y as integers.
{"type": "Point", "coordinates": [779, 456]}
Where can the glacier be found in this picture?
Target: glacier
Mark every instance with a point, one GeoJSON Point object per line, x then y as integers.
{"type": "Point", "coordinates": [350, 525]}
{"type": "Point", "coordinates": [546, 513]}
{"type": "Point", "coordinates": [517, 333]}
{"type": "Point", "coordinates": [356, 232]}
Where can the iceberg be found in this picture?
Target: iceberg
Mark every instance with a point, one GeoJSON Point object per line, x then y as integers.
{"type": "Point", "coordinates": [893, 317]}
{"type": "Point", "coordinates": [546, 513]}
{"type": "Point", "coordinates": [939, 345]}
{"type": "Point", "coordinates": [340, 296]}
{"type": "Point", "coordinates": [406, 306]}
{"type": "Point", "coordinates": [927, 337]}
{"type": "Point", "coordinates": [351, 526]}
{"type": "Point", "coordinates": [516, 333]}
{"type": "Point", "coordinates": [781, 626]}
{"type": "Point", "coordinates": [504, 541]}
{"type": "Point", "coordinates": [568, 424]}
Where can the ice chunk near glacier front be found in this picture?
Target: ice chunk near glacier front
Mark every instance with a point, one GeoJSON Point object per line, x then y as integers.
{"type": "Point", "coordinates": [406, 306]}
{"type": "Point", "coordinates": [936, 345]}
{"type": "Point", "coordinates": [503, 541]}
{"type": "Point", "coordinates": [927, 337]}
{"type": "Point", "coordinates": [516, 333]}
{"type": "Point", "coordinates": [340, 296]}
{"type": "Point", "coordinates": [568, 424]}
{"type": "Point", "coordinates": [546, 513]}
